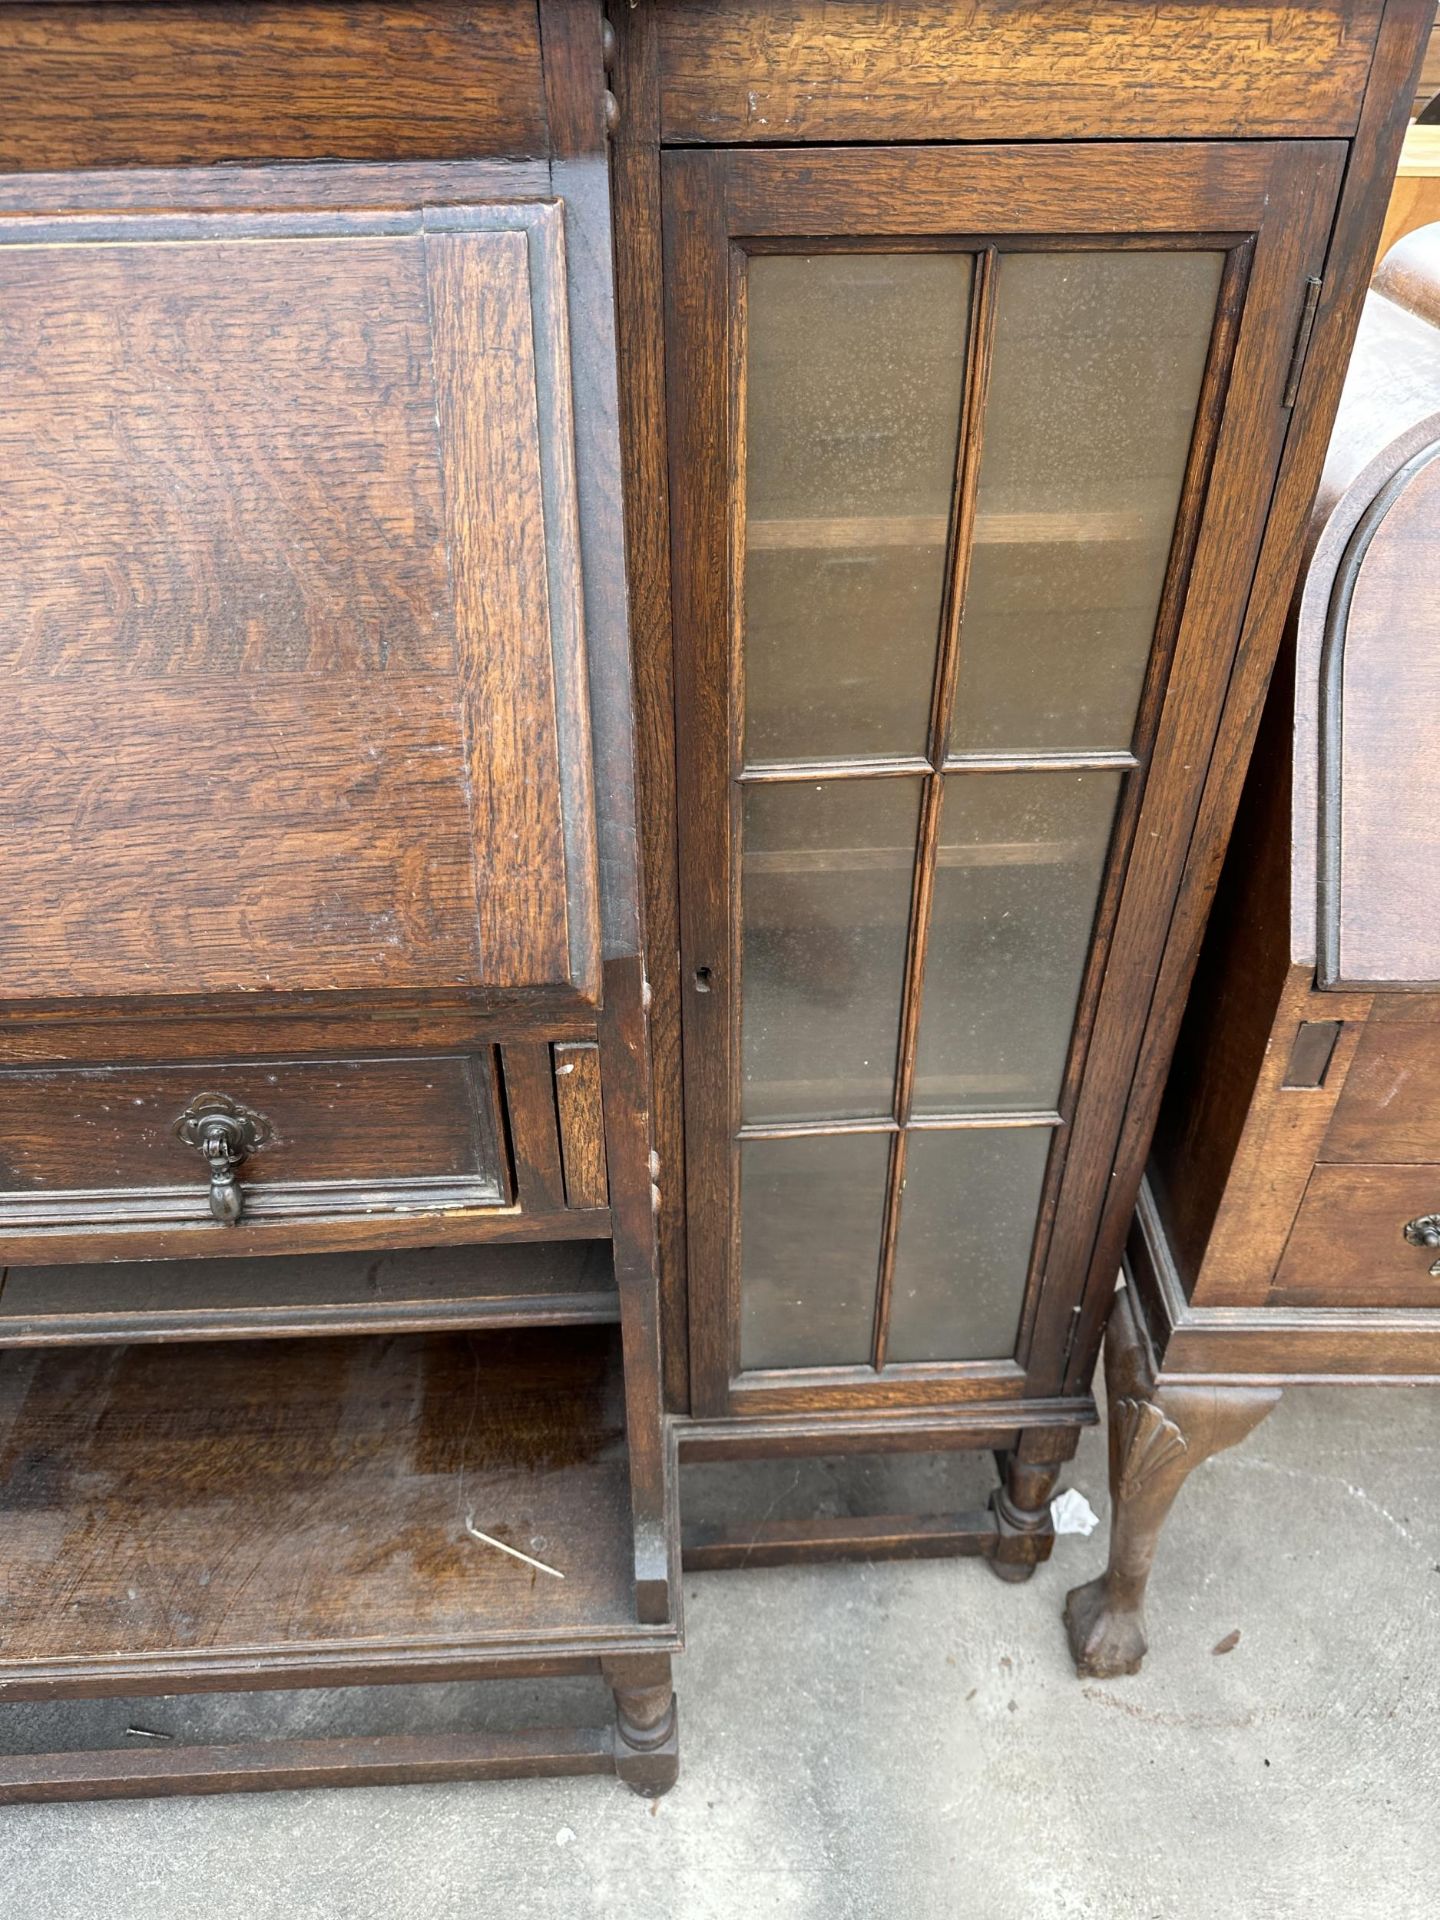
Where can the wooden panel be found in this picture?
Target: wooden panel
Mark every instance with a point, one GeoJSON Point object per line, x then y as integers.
{"type": "Point", "coordinates": [68, 1138]}
{"type": "Point", "coordinates": [193, 84]}
{"type": "Point", "coordinates": [566, 1283]}
{"type": "Point", "coordinates": [582, 1124]}
{"type": "Point", "coordinates": [1385, 799]}
{"type": "Point", "coordinates": [289, 598]}
{"type": "Point", "coordinates": [773, 70]}
{"type": "Point", "coordinates": [309, 1500]}
{"type": "Point", "coordinates": [534, 1128]}
{"type": "Point", "coordinates": [1390, 1107]}
{"type": "Point", "coordinates": [1348, 1247]}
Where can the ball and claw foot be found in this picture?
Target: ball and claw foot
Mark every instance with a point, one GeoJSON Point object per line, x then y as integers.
{"type": "Point", "coordinates": [1105, 1641]}
{"type": "Point", "coordinates": [1160, 1431]}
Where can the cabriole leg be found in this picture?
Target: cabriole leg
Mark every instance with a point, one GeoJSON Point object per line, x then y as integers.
{"type": "Point", "coordinates": [1158, 1436]}
{"type": "Point", "coordinates": [647, 1749]}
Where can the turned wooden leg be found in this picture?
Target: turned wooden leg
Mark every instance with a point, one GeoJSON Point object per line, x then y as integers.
{"type": "Point", "coordinates": [647, 1750]}
{"type": "Point", "coordinates": [1157, 1437]}
{"type": "Point", "coordinates": [1021, 1503]}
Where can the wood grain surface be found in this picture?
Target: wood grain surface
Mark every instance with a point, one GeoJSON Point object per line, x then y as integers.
{"type": "Point", "coordinates": [224, 80]}
{"type": "Point", "coordinates": [777, 70]}
{"type": "Point", "coordinates": [293, 1502]}
{"type": "Point", "coordinates": [289, 610]}
{"type": "Point", "coordinates": [1348, 1246]}
{"type": "Point", "coordinates": [112, 1128]}
{"type": "Point", "coordinates": [1389, 1109]}
{"type": "Point", "coordinates": [582, 1123]}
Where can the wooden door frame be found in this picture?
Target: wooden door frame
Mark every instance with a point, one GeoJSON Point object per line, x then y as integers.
{"type": "Point", "coordinates": [1272, 202]}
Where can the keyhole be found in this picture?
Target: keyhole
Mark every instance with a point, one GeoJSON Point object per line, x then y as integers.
{"type": "Point", "coordinates": [703, 978]}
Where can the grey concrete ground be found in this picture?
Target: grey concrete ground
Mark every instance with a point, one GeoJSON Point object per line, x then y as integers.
{"type": "Point", "coordinates": [911, 1741]}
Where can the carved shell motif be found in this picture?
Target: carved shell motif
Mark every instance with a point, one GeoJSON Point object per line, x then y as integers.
{"type": "Point", "coordinates": [1148, 1442]}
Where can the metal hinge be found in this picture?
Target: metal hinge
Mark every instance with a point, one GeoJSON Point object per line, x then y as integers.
{"type": "Point", "coordinates": [1302, 339]}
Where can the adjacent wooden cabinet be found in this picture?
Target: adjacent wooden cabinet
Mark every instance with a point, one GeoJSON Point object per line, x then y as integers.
{"type": "Point", "coordinates": [971, 423]}
{"type": "Point", "coordinates": [1290, 1222]}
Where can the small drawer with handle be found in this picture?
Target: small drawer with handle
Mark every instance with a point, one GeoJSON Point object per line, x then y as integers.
{"type": "Point", "coordinates": [242, 1155]}
{"type": "Point", "coordinates": [1364, 1237]}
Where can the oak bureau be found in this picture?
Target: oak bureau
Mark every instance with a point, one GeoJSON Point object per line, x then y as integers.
{"type": "Point", "coordinates": [628, 646]}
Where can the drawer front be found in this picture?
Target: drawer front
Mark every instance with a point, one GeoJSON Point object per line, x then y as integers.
{"type": "Point", "coordinates": [1389, 1108]}
{"type": "Point", "coordinates": [1348, 1247]}
{"type": "Point", "coordinates": [124, 1147]}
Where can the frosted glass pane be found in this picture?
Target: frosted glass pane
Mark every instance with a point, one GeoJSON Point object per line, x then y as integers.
{"type": "Point", "coordinates": [1095, 380]}
{"type": "Point", "coordinates": [855, 372]}
{"type": "Point", "coordinates": [967, 1222]}
{"type": "Point", "coordinates": [1016, 886]}
{"type": "Point", "coordinates": [826, 876]}
{"type": "Point", "coordinates": [810, 1217]}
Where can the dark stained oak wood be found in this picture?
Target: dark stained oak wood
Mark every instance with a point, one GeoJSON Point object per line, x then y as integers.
{"type": "Point", "coordinates": [534, 1126]}
{"type": "Point", "coordinates": [582, 1123]}
{"type": "Point", "coordinates": [1275, 201]}
{"type": "Point", "coordinates": [272, 188]}
{"type": "Point", "coordinates": [69, 1140]}
{"type": "Point", "coordinates": [195, 84]}
{"type": "Point", "coordinates": [865, 75]}
{"type": "Point", "coordinates": [640, 341]}
{"type": "Point", "coordinates": [233, 686]}
{"type": "Point", "coordinates": [791, 70]}
{"type": "Point", "coordinates": [301, 1507]}
{"type": "Point", "coordinates": [566, 1283]}
{"type": "Point", "coordinates": [312, 601]}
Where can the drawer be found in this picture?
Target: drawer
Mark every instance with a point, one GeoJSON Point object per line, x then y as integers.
{"type": "Point", "coordinates": [1389, 1107]}
{"type": "Point", "coordinates": [1348, 1246]}
{"type": "Point", "coordinates": [295, 1144]}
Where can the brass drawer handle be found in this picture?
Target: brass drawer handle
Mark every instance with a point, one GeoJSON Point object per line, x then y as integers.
{"type": "Point", "coordinates": [1424, 1231]}
{"type": "Point", "coordinates": [224, 1132]}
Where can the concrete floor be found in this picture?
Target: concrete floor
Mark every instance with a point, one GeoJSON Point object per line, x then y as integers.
{"type": "Point", "coordinates": [910, 1740]}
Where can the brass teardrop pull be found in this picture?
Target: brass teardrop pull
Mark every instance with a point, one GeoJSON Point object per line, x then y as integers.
{"type": "Point", "coordinates": [224, 1132]}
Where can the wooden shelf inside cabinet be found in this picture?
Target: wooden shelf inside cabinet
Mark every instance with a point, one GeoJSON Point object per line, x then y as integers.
{"type": "Point", "coordinates": [300, 1511]}
{"type": "Point", "coordinates": [564, 1283]}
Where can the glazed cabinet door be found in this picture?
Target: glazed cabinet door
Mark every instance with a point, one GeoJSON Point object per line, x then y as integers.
{"type": "Point", "coordinates": [972, 450]}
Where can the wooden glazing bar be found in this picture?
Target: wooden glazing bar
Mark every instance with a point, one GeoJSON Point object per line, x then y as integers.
{"type": "Point", "coordinates": [947, 670]}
